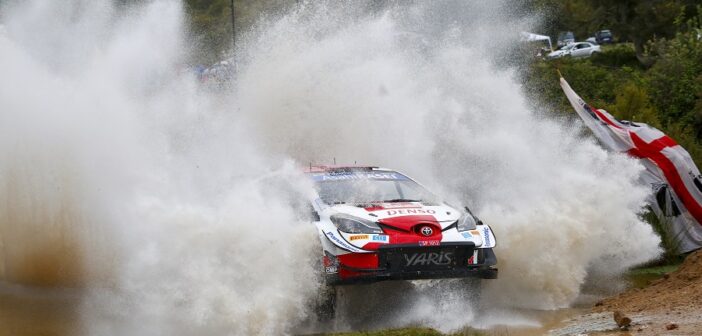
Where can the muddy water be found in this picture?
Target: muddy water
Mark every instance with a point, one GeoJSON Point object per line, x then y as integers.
{"type": "Point", "coordinates": [49, 311]}
{"type": "Point", "coordinates": [525, 322]}
{"type": "Point", "coordinates": [38, 311]}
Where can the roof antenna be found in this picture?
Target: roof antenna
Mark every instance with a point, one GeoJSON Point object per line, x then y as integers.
{"type": "Point", "coordinates": [335, 161]}
{"type": "Point", "coordinates": [354, 162]}
{"type": "Point", "coordinates": [310, 166]}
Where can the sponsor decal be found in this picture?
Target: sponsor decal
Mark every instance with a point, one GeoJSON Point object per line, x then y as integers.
{"type": "Point", "coordinates": [339, 242]}
{"type": "Point", "coordinates": [380, 238]}
{"type": "Point", "coordinates": [429, 258]}
{"type": "Point", "coordinates": [486, 231]}
{"type": "Point", "coordinates": [429, 243]}
{"type": "Point", "coordinates": [341, 176]}
{"type": "Point", "coordinates": [400, 205]}
{"type": "Point", "coordinates": [411, 212]}
{"type": "Point", "coordinates": [474, 258]}
{"type": "Point", "coordinates": [356, 237]}
{"type": "Point", "coordinates": [426, 231]}
{"type": "Point", "coordinates": [466, 235]}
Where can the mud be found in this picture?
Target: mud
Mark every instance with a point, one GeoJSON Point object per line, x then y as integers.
{"type": "Point", "coordinates": [674, 299]}
{"type": "Point", "coordinates": [681, 289]}
{"type": "Point", "coordinates": [33, 311]}
{"type": "Point", "coordinates": [687, 323]}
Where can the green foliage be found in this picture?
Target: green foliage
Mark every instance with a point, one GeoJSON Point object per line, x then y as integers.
{"type": "Point", "coordinates": [635, 21]}
{"type": "Point", "coordinates": [675, 81]}
{"type": "Point", "coordinates": [633, 103]}
{"type": "Point", "coordinates": [644, 276]}
{"type": "Point", "coordinates": [599, 84]}
{"type": "Point", "coordinates": [668, 240]}
{"type": "Point", "coordinates": [590, 80]}
{"type": "Point", "coordinates": [541, 83]}
{"type": "Point", "coordinates": [616, 56]}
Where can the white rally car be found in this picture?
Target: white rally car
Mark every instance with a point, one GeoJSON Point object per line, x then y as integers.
{"type": "Point", "coordinates": [378, 224]}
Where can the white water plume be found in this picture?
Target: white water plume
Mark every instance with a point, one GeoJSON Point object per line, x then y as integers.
{"type": "Point", "coordinates": [164, 196]}
{"type": "Point", "coordinates": [130, 174]}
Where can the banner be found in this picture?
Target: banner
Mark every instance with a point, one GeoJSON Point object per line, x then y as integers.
{"type": "Point", "coordinates": [676, 184]}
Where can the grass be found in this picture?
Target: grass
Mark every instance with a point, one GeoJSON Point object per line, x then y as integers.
{"type": "Point", "coordinates": [642, 277]}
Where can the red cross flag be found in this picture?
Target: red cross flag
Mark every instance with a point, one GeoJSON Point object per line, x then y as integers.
{"type": "Point", "coordinates": [676, 183]}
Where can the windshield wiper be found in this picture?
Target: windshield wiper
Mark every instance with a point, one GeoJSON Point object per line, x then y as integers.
{"type": "Point", "coordinates": [396, 200]}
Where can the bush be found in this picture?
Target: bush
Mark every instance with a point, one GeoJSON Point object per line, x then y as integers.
{"type": "Point", "coordinates": [633, 103]}
{"type": "Point", "coordinates": [675, 86]}
{"type": "Point", "coordinates": [616, 56]}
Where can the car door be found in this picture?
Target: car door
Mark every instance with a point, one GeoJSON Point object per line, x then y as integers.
{"type": "Point", "coordinates": [581, 50]}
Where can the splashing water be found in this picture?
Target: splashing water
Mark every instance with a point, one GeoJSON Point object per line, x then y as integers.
{"type": "Point", "coordinates": [120, 174]}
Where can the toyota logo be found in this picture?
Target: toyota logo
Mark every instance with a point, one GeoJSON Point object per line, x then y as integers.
{"type": "Point", "coordinates": [426, 231]}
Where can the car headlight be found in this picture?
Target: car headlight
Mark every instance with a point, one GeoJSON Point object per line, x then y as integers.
{"type": "Point", "coordinates": [466, 222]}
{"type": "Point", "coordinates": [351, 224]}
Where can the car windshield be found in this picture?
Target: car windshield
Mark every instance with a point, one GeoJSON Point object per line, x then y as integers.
{"type": "Point", "coordinates": [359, 189]}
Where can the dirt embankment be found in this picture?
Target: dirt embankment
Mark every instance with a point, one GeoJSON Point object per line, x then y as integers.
{"type": "Point", "coordinates": [671, 305]}
{"type": "Point", "coordinates": [679, 290]}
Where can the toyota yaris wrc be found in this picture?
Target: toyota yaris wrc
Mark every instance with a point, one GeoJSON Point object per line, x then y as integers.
{"type": "Point", "coordinates": [378, 224]}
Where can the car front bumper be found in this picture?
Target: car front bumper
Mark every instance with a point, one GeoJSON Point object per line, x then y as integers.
{"type": "Point", "coordinates": [412, 262]}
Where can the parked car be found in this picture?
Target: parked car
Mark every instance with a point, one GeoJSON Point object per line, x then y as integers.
{"type": "Point", "coordinates": [576, 50]}
{"type": "Point", "coordinates": [592, 40]}
{"type": "Point", "coordinates": [565, 38]}
{"type": "Point", "coordinates": [604, 37]}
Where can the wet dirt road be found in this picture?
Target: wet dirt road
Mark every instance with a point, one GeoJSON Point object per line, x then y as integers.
{"type": "Point", "coordinates": [38, 311]}
{"type": "Point", "coordinates": [35, 311]}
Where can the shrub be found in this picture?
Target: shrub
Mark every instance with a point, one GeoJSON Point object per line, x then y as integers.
{"type": "Point", "coordinates": [633, 103]}
{"type": "Point", "coordinates": [674, 79]}
{"type": "Point", "coordinates": [616, 56]}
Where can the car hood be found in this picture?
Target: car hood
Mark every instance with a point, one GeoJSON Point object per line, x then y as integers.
{"type": "Point", "coordinates": [414, 223]}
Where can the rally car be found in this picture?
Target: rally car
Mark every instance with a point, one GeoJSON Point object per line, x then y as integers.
{"type": "Point", "coordinates": [378, 224]}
